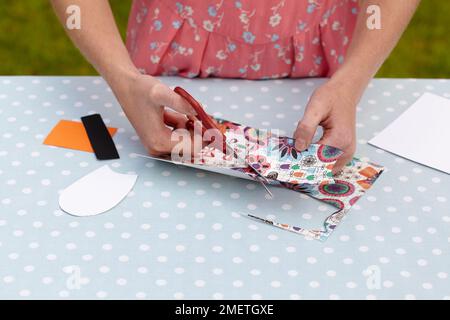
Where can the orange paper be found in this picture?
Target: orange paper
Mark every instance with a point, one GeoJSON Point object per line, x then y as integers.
{"type": "Point", "coordinates": [71, 135]}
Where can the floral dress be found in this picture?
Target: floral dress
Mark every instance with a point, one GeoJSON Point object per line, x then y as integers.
{"type": "Point", "coordinates": [251, 39]}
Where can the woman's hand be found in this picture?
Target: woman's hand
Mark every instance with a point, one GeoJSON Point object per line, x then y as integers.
{"type": "Point", "coordinates": [143, 99]}
{"type": "Point", "coordinates": [333, 107]}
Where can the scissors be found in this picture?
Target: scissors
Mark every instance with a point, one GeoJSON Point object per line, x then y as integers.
{"type": "Point", "coordinates": [209, 123]}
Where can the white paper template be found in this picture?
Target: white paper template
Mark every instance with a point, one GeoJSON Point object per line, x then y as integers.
{"type": "Point", "coordinates": [97, 192]}
{"type": "Point", "coordinates": [224, 171]}
{"type": "Point", "coordinates": [421, 133]}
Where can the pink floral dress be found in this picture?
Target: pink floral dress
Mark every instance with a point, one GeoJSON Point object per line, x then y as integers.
{"type": "Point", "coordinates": [251, 39]}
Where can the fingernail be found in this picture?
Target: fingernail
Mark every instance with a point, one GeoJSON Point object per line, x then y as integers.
{"type": "Point", "coordinates": [300, 144]}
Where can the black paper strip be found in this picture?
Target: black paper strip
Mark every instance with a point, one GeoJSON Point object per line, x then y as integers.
{"type": "Point", "coordinates": [101, 140]}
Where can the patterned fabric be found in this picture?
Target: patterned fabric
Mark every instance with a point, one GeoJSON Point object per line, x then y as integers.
{"type": "Point", "coordinates": [341, 191]}
{"type": "Point", "coordinates": [252, 39]}
{"type": "Point", "coordinates": [274, 157]}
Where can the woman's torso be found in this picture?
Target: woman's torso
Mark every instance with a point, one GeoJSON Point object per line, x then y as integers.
{"type": "Point", "coordinates": [252, 39]}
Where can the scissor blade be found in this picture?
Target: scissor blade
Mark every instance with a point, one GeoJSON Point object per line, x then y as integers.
{"type": "Point", "coordinates": [260, 178]}
{"type": "Point", "coordinates": [265, 187]}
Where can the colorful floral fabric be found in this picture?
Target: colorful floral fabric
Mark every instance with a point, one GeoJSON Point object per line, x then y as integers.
{"type": "Point", "coordinates": [250, 39]}
{"type": "Point", "coordinates": [348, 187]}
{"type": "Point", "coordinates": [275, 157]}
{"type": "Point", "coordinates": [278, 161]}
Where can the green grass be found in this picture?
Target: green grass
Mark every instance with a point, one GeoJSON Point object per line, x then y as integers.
{"type": "Point", "coordinates": [32, 42]}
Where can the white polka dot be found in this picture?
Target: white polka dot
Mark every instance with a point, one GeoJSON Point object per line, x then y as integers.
{"type": "Point", "coordinates": [291, 249]}
{"type": "Point", "coordinates": [275, 284]}
{"type": "Point", "coordinates": [179, 270]}
{"type": "Point", "coordinates": [274, 260]}
{"type": "Point", "coordinates": [163, 236]}
{"type": "Point", "coordinates": [8, 279]}
{"type": "Point", "coordinates": [396, 230]}
{"type": "Point", "coordinates": [104, 269]}
{"type": "Point", "coordinates": [272, 237]}
{"type": "Point", "coordinates": [427, 286]}
{"type": "Point", "coordinates": [217, 271]}
{"type": "Point", "coordinates": [141, 295]}
{"type": "Point", "coordinates": [331, 273]}
{"type": "Point", "coordinates": [422, 262]}
{"type": "Point", "coordinates": [311, 260]}
{"type": "Point", "coordinates": [47, 280]}
{"type": "Point", "coordinates": [292, 273]}
{"type": "Point", "coordinates": [161, 259]}
{"type": "Point", "coordinates": [13, 256]}
{"type": "Point", "coordinates": [436, 252]}
{"type": "Point", "coordinates": [24, 293]}
{"type": "Point", "coordinates": [199, 283]}
{"type": "Point", "coordinates": [236, 236]}
{"type": "Point", "coordinates": [328, 250]}
{"type": "Point", "coordinates": [200, 236]}
{"type": "Point", "coordinates": [426, 209]}
{"type": "Point", "coordinates": [147, 204]}
{"type": "Point", "coordinates": [407, 199]}
{"type": "Point", "coordinates": [348, 261]}
{"type": "Point", "coordinates": [391, 209]}
{"type": "Point", "coordinates": [160, 282]}
{"type": "Point", "coordinates": [217, 296]}
{"type": "Point", "coordinates": [180, 227]}
{"type": "Point", "coordinates": [363, 249]}
{"type": "Point", "coordinates": [178, 295]}
{"type": "Point", "coordinates": [405, 274]}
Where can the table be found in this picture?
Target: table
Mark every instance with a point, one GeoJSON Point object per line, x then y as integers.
{"type": "Point", "coordinates": [179, 235]}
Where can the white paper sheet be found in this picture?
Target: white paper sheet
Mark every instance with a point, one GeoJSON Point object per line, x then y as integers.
{"type": "Point", "coordinates": [224, 171]}
{"type": "Point", "coordinates": [421, 133]}
{"type": "Point", "coordinates": [96, 192]}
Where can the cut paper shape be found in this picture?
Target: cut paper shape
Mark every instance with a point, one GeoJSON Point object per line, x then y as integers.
{"type": "Point", "coordinates": [341, 191]}
{"type": "Point", "coordinates": [348, 187]}
{"type": "Point", "coordinates": [421, 133]}
{"type": "Point", "coordinates": [71, 135]}
{"type": "Point", "coordinates": [100, 138]}
{"type": "Point", "coordinates": [96, 192]}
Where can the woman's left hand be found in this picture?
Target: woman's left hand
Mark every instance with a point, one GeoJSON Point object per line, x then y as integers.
{"type": "Point", "coordinates": [333, 107]}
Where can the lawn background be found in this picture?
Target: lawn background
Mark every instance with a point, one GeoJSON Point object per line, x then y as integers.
{"type": "Point", "coordinates": [32, 42]}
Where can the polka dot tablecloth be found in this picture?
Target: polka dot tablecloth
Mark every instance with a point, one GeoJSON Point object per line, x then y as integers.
{"type": "Point", "coordinates": [179, 234]}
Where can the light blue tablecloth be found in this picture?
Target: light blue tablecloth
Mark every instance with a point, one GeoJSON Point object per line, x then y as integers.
{"type": "Point", "coordinates": [178, 234]}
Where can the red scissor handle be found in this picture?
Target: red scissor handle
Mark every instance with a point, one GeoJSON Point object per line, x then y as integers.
{"type": "Point", "coordinates": [207, 121]}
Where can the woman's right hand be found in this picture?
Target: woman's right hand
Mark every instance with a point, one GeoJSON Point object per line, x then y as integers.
{"type": "Point", "coordinates": [143, 99]}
